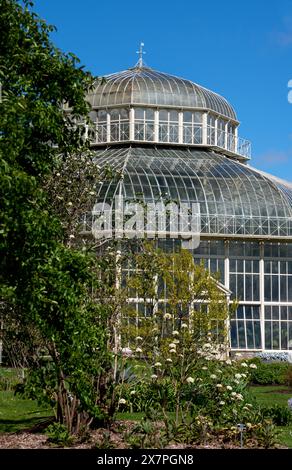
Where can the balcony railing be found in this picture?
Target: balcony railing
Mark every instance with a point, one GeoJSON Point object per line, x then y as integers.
{"type": "Point", "coordinates": [195, 135]}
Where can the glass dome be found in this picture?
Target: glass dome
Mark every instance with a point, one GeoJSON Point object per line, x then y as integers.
{"type": "Point", "coordinates": [235, 199]}
{"type": "Point", "coordinates": [145, 86]}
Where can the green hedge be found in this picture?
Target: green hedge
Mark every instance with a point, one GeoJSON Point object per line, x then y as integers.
{"type": "Point", "coordinates": [273, 373]}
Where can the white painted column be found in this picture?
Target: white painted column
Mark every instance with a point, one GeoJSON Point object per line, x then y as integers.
{"type": "Point", "coordinates": [262, 294]}
{"type": "Point", "coordinates": [227, 285]}
{"type": "Point", "coordinates": [108, 127]}
{"type": "Point", "coordinates": [180, 127]}
{"type": "Point", "coordinates": [204, 130]}
{"type": "Point", "coordinates": [226, 136]}
{"type": "Point", "coordinates": [236, 140]}
{"type": "Point", "coordinates": [132, 125]}
{"type": "Point", "coordinates": [156, 126]}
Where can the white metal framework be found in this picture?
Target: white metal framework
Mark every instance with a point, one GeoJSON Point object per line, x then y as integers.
{"type": "Point", "coordinates": [172, 140]}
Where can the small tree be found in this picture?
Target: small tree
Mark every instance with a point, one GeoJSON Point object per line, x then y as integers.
{"type": "Point", "coordinates": [172, 341]}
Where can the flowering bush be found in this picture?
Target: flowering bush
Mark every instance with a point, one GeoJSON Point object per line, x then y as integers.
{"type": "Point", "coordinates": [275, 356]}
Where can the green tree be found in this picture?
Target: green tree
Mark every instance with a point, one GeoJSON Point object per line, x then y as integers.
{"type": "Point", "coordinates": [47, 283]}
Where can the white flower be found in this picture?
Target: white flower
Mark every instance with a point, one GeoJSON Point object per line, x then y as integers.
{"type": "Point", "coordinates": [172, 346]}
{"type": "Point", "coordinates": [190, 380]}
{"type": "Point", "coordinates": [233, 394]}
{"type": "Point", "coordinates": [71, 236]}
{"type": "Point", "coordinates": [253, 366]}
{"type": "Point", "coordinates": [138, 338]}
{"type": "Point", "coordinates": [249, 405]}
{"type": "Point", "coordinates": [228, 362]}
{"type": "Point", "coordinates": [58, 174]}
{"type": "Point", "coordinates": [176, 341]}
{"type": "Point", "coordinates": [167, 316]}
{"type": "Point", "coordinates": [219, 385]}
{"type": "Point", "coordinates": [244, 376]}
{"type": "Point", "coordinates": [153, 376]}
{"type": "Point", "coordinates": [239, 396]}
{"type": "Point", "coordinates": [204, 368]}
{"type": "Point", "coordinates": [138, 350]}
{"type": "Point", "coordinates": [213, 376]}
{"type": "Point", "coordinates": [169, 360]}
{"type": "Point", "coordinates": [175, 333]}
{"type": "Point", "coordinates": [222, 403]}
{"type": "Point", "coordinates": [207, 346]}
{"type": "Point", "coordinates": [229, 387]}
{"type": "Point", "coordinates": [238, 376]}
{"type": "Point", "coordinates": [127, 351]}
{"type": "Point", "coordinates": [219, 371]}
{"type": "Point", "coordinates": [236, 381]}
{"type": "Point", "coordinates": [133, 392]}
{"type": "Point", "coordinates": [172, 351]}
{"type": "Point", "coordinates": [184, 325]}
{"type": "Point", "coordinates": [70, 203]}
{"type": "Point", "coordinates": [92, 193]}
{"type": "Point", "coordinates": [122, 401]}
{"type": "Point", "coordinates": [244, 364]}
{"type": "Point", "coordinates": [157, 364]}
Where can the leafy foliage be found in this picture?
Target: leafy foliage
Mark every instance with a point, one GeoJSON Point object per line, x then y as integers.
{"type": "Point", "coordinates": [48, 286]}
{"type": "Point", "coordinates": [269, 373]}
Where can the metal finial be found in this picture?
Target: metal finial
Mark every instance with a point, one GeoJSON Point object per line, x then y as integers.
{"type": "Point", "coordinates": [140, 52]}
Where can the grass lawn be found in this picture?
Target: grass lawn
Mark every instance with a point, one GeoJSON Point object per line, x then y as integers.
{"type": "Point", "coordinates": [270, 395]}
{"type": "Point", "coordinates": [17, 414]}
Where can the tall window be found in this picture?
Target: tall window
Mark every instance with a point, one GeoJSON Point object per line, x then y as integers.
{"type": "Point", "coordinates": [168, 126]}
{"type": "Point", "coordinates": [144, 124]}
{"type": "Point", "coordinates": [221, 132]}
{"type": "Point", "coordinates": [192, 127]}
{"type": "Point", "coordinates": [119, 124]}
{"type": "Point", "coordinates": [211, 129]}
{"type": "Point", "coordinates": [101, 127]}
{"type": "Point", "coordinates": [231, 144]}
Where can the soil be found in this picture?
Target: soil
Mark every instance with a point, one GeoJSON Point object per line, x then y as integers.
{"type": "Point", "coordinates": [95, 439]}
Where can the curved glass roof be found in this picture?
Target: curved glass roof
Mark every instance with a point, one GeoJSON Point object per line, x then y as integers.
{"type": "Point", "coordinates": [235, 199]}
{"type": "Point", "coordinates": [145, 86]}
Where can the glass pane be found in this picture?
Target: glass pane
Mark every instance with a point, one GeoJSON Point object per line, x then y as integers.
{"type": "Point", "coordinates": [187, 116]}
{"type": "Point", "coordinates": [163, 115]}
{"type": "Point", "coordinates": [102, 115]}
{"type": "Point", "coordinates": [149, 114]}
{"type": "Point", "coordinates": [268, 337]}
{"type": "Point", "coordinates": [114, 114]}
{"type": "Point", "coordinates": [139, 113]}
{"type": "Point", "coordinates": [198, 117]}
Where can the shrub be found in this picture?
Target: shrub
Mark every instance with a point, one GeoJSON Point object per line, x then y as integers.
{"type": "Point", "coordinates": [58, 434]}
{"type": "Point", "coordinates": [273, 373]}
{"type": "Point", "coordinates": [288, 376]}
{"type": "Point", "coordinates": [279, 414]}
{"type": "Point", "coordinates": [144, 396]}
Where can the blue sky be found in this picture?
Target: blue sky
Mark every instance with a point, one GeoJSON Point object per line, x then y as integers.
{"type": "Point", "coordinates": [242, 50]}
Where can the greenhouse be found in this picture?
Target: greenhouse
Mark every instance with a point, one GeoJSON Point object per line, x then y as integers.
{"type": "Point", "coordinates": [173, 140]}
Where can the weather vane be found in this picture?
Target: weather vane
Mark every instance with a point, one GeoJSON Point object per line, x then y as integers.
{"type": "Point", "coordinates": [140, 52]}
